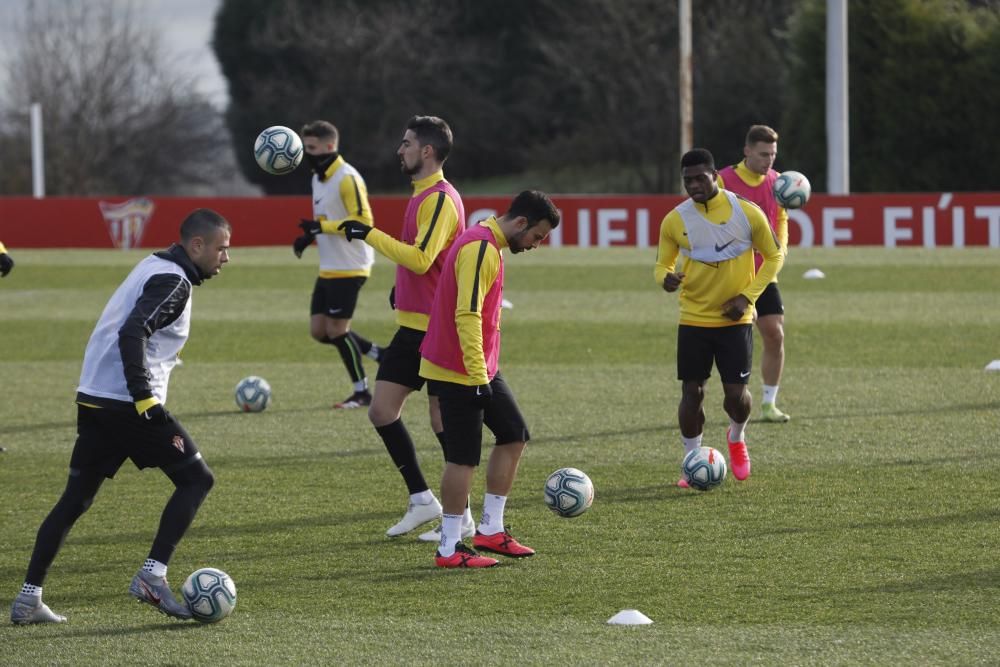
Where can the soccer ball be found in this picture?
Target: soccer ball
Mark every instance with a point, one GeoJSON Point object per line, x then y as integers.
{"type": "Point", "coordinates": [210, 594]}
{"type": "Point", "coordinates": [278, 150]}
{"type": "Point", "coordinates": [253, 394]}
{"type": "Point", "coordinates": [792, 189]}
{"type": "Point", "coordinates": [704, 468]}
{"type": "Point", "coordinates": [569, 492]}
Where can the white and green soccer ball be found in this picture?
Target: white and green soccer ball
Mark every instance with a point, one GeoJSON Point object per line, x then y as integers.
{"type": "Point", "coordinates": [792, 189]}
{"type": "Point", "coordinates": [569, 492]}
{"type": "Point", "coordinates": [210, 594]}
{"type": "Point", "coordinates": [278, 150]}
{"type": "Point", "coordinates": [704, 468]}
{"type": "Point", "coordinates": [252, 394]}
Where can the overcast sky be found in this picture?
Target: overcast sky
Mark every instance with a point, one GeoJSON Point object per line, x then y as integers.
{"type": "Point", "coordinates": [185, 27]}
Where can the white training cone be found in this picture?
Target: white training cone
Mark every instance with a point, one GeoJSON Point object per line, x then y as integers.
{"type": "Point", "coordinates": [993, 365]}
{"type": "Point", "coordinates": [506, 304]}
{"type": "Point", "coordinates": [629, 617]}
{"type": "Point", "coordinates": [813, 274]}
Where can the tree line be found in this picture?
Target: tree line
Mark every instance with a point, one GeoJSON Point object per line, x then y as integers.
{"type": "Point", "coordinates": [577, 96]}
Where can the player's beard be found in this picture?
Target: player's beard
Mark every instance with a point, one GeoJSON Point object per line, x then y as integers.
{"type": "Point", "coordinates": [407, 169]}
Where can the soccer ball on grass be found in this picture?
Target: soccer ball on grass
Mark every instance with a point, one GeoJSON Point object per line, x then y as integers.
{"type": "Point", "coordinates": [210, 594]}
{"type": "Point", "coordinates": [253, 394]}
{"type": "Point", "coordinates": [278, 150]}
{"type": "Point", "coordinates": [569, 492]}
{"type": "Point", "coordinates": [704, 468]}
{"type": "Point", "coordinates": [792, 189]}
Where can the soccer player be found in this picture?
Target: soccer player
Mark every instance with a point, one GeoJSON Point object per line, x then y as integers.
{"type": "Point", "coordinates": [753, 179]}
{"type": "Point", "coordinates": [460, 361]}
{"type": "Point", "coordinates": [716, 232]}
{"type": "Point", "coordinates": [121, 413]}
{"type": "Point", "coordinates": [434, 218]}
{"type": "Point", "coordinates": [6, 263]}
{"type": "Point", "coordinates": [338, 193]}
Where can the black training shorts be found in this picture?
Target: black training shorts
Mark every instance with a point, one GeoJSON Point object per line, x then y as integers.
{"type": "Point", "coordinates": [336, 297]}
{"type": "Point", "coordinates": [463, 419]}
{"type": "Point", "coordinates": [401, 360]}
{"type": "Point", "coordinates": [108, 436]}
{"type": "Point", "coordinates": [769, 302]}
{"type": "Point", "coordinates": [730, 348]}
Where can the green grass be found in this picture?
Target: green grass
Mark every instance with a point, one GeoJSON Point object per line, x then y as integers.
{"type": "Point", "coordinates": [867, 534]}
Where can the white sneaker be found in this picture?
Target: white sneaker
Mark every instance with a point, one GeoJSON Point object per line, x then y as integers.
{"type": "Point", "coordinates": [416, 515]}
{"type": "Point", "coordinates": [434, 535]}
{"type": "Point", "coordinates": [30, 609]}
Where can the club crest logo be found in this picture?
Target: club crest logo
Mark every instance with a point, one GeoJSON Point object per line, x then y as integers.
{"type": "Point", "coordinates": [127, 221]}
{"type": "Point", "coordinates": [179, 443]}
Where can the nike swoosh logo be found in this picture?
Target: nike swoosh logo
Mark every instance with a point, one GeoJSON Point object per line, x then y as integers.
{"type": "Point", "coordinates": [334, 311]}
{"type": "Point", "coordinates": [317, 201]}
{"type": "Point", "coordinates": [743, 375]}
{"type": "Point", "coordinates": [720, 248]}
{"type": "Point", "coordinates": [149, 592]}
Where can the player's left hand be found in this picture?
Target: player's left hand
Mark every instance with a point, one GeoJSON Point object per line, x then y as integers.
{"type": "Point", "coordinates": [6, 264]}
{"type": "Point", "coordinates": [735, 307]}
{"type": "Point", "coordinates": [354, 229]}
{"type": "Point", "coordinates": [301, 243]}
{"type": "Point", "coordinates": [311, 226]}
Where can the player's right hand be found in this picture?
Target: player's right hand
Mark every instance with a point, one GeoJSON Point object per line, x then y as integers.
{"type": "Point", "coordinates": [311, 226]}
{"type": "Point", "coordinates": [301, 243]}
{"type": "Point", "coordinates": [672, 281]}
{"type": "Point", "coordinates": [153, 411]}
{"type": "Point", "coordinates": [6, 264]}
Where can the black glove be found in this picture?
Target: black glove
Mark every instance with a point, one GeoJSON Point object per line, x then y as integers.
{"type": "Point", "coordinates": [483, 394]}
{"type": "Point", "coordinates": [311, 226]}
{"type": "Point", "coordinates": [6, 264]}
{"type": "Point", "coordinates": [301, 243]}
{"type": "Point", "coordinates": [155, 413]}
{"type": "Point", "coordinates": [392, 297]}
{"type": "Point", "coordinates": [353, 229]}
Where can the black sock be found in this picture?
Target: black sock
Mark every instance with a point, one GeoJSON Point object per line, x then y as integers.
{"type": "Point", "coordinates": [193, 482]}
{"type": "Point", "coordinates": [351, 355]}
{"type": "Point", "coordinates": [363, 343]}
{"type": "Point", "coordinates": [397, 440]}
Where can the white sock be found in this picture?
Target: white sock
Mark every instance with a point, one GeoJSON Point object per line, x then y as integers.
{"type": "Point", "coordinates": [422, 498]}
{"type": "Point", "coordinates": [155, 567]}
{"type": "Point", "coordinates": [736, 431]}
{"type": "Point", "coordinates": [770, 394]}
{"type": "Point", "coordinates": [31, 589]}
{"type": "Point", "coordinates": [374, 352]}
{"type": "Point", "coordinates": [361, 385]}
{"type": "Point", "coordinates": [492, 522]}
{"type": "Point", "coordinates": [691, 444]}
{"type": "Point", "coordinates": [451, 533]}
{"type": "Point", "coordinates": [467, 517]}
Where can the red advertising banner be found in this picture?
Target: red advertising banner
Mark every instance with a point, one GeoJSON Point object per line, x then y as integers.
{"type": "Point", "coordinates": [890, 220]}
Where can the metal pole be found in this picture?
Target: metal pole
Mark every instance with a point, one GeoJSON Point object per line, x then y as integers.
{"type": "Point", "coordinates": [837, 121]}
{"type": "Point", "coordinates": [37, 154]}
{"type": "Point", "coordinates": [684, 78]}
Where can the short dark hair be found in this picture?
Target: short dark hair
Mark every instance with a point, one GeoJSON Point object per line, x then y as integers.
{"type": "Point", "coordinates": [433, 131]}
{"type": "Point", "coordinates": [321, 129]}
{"type": "Point", "coordinates": [697, 156]}
{"type": "Point", "coordinates": [202, 221]}
{"type": "Point", "coordinates": [535, 206]}
{"type": "Point", "coordinates": [761, 133]}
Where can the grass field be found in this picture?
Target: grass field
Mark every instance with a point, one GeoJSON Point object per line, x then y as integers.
{"type": "Point", "coordinates": [868, 533]}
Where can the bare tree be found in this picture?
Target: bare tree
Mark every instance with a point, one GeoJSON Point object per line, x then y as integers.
{"type": "Point", "coordinates": [117, 119]}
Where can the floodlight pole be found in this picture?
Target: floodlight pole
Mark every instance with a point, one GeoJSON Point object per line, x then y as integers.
{"type": "Point", "coordinates": [686, 114]}
{"type": "Point", "coordinates": [37, 154]}
{"type": "Point", "coordinates": [837, 136]}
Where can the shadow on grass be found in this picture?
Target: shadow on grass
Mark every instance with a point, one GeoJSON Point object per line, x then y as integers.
{"type": "Point", "coordinates": [868, 413]}
{"type": "Point", "coordinates": [884, 524]}
{"type": "Point", "coordinates": [61, 632]}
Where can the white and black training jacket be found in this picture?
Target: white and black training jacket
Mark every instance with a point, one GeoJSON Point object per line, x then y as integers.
{"type": "Point", "coordinates": [137, 340]}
